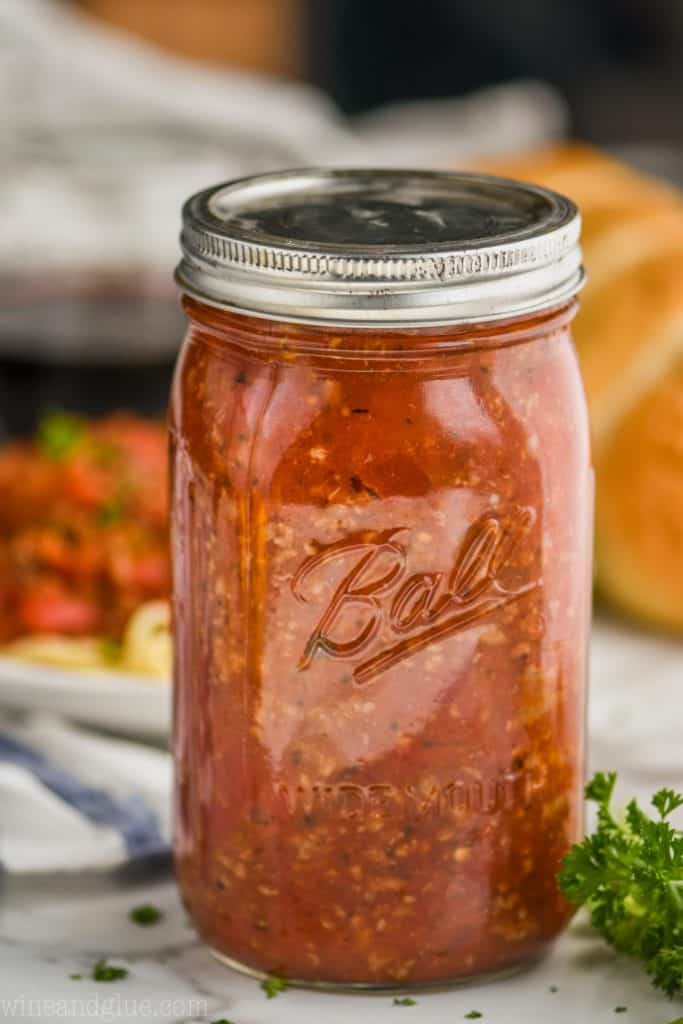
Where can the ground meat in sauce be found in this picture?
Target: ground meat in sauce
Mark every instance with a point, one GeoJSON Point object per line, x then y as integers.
{"type": "Point", "coordinates": [382, 570]}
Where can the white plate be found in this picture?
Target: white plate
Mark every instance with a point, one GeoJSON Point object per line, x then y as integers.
{"type": "Point", "coordinates": [111, 700]}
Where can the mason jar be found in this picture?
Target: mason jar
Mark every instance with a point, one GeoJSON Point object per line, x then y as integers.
{"type": "Point", "coordinates": [381, 522]}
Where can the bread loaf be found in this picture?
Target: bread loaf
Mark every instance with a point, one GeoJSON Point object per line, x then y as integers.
{"type": "Point", "coordinates": [629, 337]}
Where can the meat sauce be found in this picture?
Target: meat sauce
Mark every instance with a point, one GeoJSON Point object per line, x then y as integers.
{"type": "Point", "coordinates": [381, 545]}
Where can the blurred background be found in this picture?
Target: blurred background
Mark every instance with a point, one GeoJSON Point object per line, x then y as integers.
{"type": "Point", "coordinates": [115, 110]}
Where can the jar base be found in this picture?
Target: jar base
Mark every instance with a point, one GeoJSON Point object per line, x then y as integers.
{"type": "Point", "coordinates": [483, 978]}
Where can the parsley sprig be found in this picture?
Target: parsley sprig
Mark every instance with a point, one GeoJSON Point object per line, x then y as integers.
{"type": "Point", "coordinates": [59, 434]}
{"type": "Point", "coordinates": [630, 877]}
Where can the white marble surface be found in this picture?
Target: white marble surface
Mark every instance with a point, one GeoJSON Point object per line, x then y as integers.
{"type": "Point", "coordinates": [51, 930]}
{"type": "Point", "coordinates": [53, 927]}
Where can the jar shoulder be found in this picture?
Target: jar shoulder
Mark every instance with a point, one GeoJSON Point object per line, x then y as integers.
{"type": "Point", "coordinates": [306, 431]}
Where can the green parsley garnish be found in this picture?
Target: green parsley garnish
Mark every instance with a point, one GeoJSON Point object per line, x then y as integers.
{"type": "Point", "coordinates": [473, 1015]}
{"type": "Point", "coordinates": [222, 1020]}
{"type": "Point", "coordinates": [76, 977]}
{"type": "Point", "coordinates": [273, 986]}
{"type": "Point", "coordinates": [58, 434]}
{"type": "Point", "coordinates": [102, 971]}
{"type": "Point", "coordinates": [630, 876]}
{"type": "Point", "coordinates": [145, 914]}
{"type": "Point", "coordinates": [405, 1001]}
{"type": "Point", "coordinates": [110, 512]}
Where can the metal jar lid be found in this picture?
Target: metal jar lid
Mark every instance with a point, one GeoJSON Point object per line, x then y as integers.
{"type": "Point", "coordinates": [380, 247]}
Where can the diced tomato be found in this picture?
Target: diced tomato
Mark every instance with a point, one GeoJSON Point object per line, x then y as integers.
{"type": "Point", "coordinates": [88, 484]}
{"type": "Point", "coordinates": [83, 527]}
{"type": "Point", "coordinates": [48, 610]}
{"type": "Point", "coordinates": [151, 573]}
{"type": "Point", "coordinates": [146, 572]}
{"type": "Point", "coordinates": [142, 443]}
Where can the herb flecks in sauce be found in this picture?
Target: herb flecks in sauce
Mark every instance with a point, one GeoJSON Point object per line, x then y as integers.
{"type": "Point", "coordinates": [363, 488]}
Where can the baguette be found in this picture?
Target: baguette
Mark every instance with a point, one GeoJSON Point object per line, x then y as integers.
{"type": "Point", "coordinates": [629, 338]}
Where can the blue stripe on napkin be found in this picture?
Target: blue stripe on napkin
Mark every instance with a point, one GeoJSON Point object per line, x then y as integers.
{"type": "Point", "coordinates": [131, 817]}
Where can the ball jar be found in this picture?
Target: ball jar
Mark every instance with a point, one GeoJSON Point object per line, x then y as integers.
{"type": "Point", "coordinates": [381, 523]}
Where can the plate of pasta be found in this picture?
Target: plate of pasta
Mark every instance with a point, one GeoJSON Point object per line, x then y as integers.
{"type": "Point", "coordinates": [84, 572]}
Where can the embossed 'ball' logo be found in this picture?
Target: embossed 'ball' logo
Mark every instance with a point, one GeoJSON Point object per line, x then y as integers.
{"type": "Point", "coordinates": [419, 609]}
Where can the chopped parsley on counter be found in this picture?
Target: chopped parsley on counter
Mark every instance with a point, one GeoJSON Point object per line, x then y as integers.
{"type": "Point", "coordinates": [102, 971]}
{"type": "Point", "coordinates": [145, 915]}
{"type": "Point", "coordinates": [404, 1001]}
{"type": "Point", "coordinates": [273, 986]}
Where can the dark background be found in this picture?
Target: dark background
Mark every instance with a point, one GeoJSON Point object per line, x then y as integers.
{"type": "Point", "coordinates": [616, 61]}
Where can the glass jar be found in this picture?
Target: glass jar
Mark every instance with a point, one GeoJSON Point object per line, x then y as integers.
{"type": "Point", "coordinates": [381, 524]}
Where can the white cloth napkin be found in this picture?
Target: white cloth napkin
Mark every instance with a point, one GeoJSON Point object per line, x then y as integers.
{"type": "Point", "coordinates": [103, 137]}
{"type": "Point", "coordinates": [71, 800]}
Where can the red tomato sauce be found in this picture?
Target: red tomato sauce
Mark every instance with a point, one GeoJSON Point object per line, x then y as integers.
{"type": "Point", "coordinates": [381, 545]}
